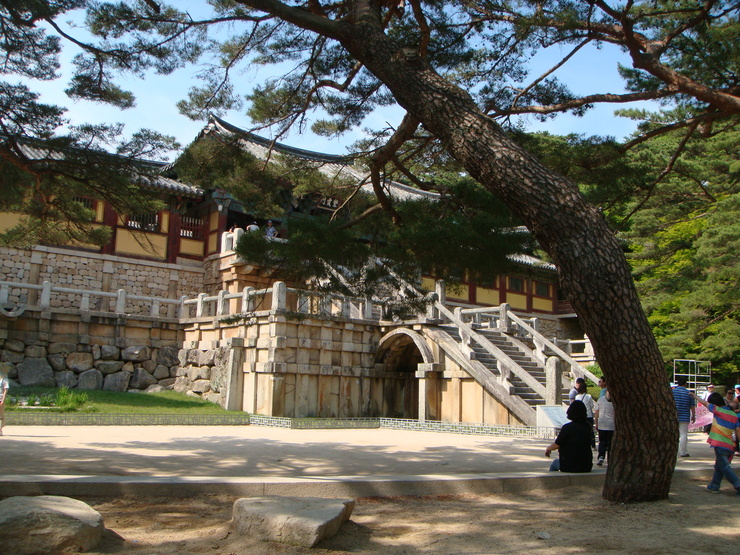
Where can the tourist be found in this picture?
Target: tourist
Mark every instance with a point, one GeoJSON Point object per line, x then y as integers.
{"type": "Point", "coordinates": [730, 400]}
{"type": "Point", "coordinates": [722, 438]}
{"type": "Point", "coordinates": [708, 392]}
{"type": "Point", "coordinates": [573, 392]}
{"type": "Point", "coordinates": [602, 387]}
{"type": "Point", "coordinates": [588, 401]}
{"type": "Point", "coordinates": [253, 227]}
{"type": "Point", "coordinates": [686, 408]}
{"type": "Point", "coordinates": [270, 231]}
{"type": "Point", "coordinates": [4, 386]}
{"type": "Point", "coordinates": [573, 442]}
{"type": "Point", "coordinates": [604, 421]}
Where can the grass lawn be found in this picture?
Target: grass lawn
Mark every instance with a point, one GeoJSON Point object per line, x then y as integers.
{"type": "Point", "coordinates": [110, 402]}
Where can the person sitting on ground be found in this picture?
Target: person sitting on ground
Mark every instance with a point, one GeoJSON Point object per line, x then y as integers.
{"type": "Point", "coordinates": [723, 439]}
{"type": "Point", "coordinates": [573, 442]}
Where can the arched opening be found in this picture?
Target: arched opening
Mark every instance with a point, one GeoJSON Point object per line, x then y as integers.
{"type": "Point", "coordinates": [399, 354]}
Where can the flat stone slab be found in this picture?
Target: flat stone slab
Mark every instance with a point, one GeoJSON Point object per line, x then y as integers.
{"type": "Point", "coordinates": [302, 521]}
{"type": "Point", "coordinates": [48, 524]}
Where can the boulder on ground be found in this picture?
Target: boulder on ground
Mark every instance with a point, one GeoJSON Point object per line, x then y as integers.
{"type": "Point", "coordinates": [48, 524]}
{"type": "Point", "coordinates": [303, 521]}
{"type": "Point", "coordinates": [161, 372]}
{"type": "Point", "coordinates": [156, 388]}
{"type": "Point", "coordinates": [66, 378]}
{"type": "Point", "coordinates": [57, 362]}
{"type": "Point", "coordinates": [141, 379]}
{"type": "Point", "coordinates": [91, 380]}
{"type": "Point", "coordinates": [117, 382]}
{"type": "Point", "coordinates": [181, 385]}
{"type": "Point", "coordinates": [36, 372]}
{"type": "Point", "coordinates": [168, 383]}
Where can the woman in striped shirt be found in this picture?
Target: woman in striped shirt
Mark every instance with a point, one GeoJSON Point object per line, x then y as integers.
{"type": "Point", "coordinates": [723, 439]}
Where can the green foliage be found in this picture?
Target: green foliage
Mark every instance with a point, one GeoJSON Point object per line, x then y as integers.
{"type": "Point", "coordinates": [68, 400]}
{"type": "Point", "coordinates": [685, 243]}
{"type": "Point", "coordinates": [111, 402]}
{"type": "Point", "coordinates": [44, 169]}
{"type": "Point", "coordinates": [465, 235]}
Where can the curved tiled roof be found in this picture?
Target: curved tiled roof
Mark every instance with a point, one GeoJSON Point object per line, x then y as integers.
{"type": "Point", "coordinates": [333, 166]}
{"type": "Point", "coordinates": [35, 150]}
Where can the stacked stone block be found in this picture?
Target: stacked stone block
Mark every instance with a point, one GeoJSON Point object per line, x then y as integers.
{"type": "Point", "coordinates": [203, 373]}
{"type": "Point", "coordinates": [89, 367]}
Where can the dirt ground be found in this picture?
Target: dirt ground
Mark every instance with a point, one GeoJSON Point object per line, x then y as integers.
{"type": "Point", "coordinates": [576, 520]}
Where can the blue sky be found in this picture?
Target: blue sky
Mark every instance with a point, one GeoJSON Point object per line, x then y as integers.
{"type": "Point", "coordinates": [156, 97]}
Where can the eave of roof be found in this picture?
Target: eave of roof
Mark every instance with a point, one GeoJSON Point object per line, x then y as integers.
{"type": "Point", "coordinates": [34, 150]}
{"type": "Point", "coordinates": [333, 166]}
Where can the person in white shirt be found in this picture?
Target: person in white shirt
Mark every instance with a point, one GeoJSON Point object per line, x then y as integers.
{"type": "Point", "coordinates": [604, 421]}
{"type": "Point", "coordinates": [584, 396]}
{"type": "Point", "coordinates": [4, 386]}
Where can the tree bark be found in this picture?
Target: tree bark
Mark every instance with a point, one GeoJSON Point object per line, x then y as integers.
{"type": "Point", "coordinates": [592, 268]}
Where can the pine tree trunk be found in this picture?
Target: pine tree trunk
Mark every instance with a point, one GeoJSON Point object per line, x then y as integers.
{"type": "Point", "coordinates": [593, 271]}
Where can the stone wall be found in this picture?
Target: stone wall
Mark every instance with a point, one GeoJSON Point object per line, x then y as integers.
{"type": "Point", "coordinates": [54, 349]}
{"type": "Point", "coordinates": [294, 366]}
{"type": "Point", "coordinates": [203, 373]}
{"type": "Point", "coordinates": [96, 272]}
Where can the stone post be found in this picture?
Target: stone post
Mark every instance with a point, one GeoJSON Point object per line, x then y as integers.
{"type": "Point", "coordinates": [344, 307]}
{"type": "Point", "coordinates": [279, 296]}
{"type": "Point", "coordinates": [184, 311]}
{"type": "Point", "coordinates": [200, 307]}
{"type": "Point", "coordinates": [504, 322]}
{"type": "Point", "coordinates": [222, 306]}
{"type": "Point", "coordinates": [235, 374]}
{"type": "Point", "coordinates": [440, 290]}
{"type": "Point", "coordinates": [553, 381]}
{"type": "Point", "coordinates": [45, 301]}
{"type": "Point", "coordinates": [367, 309]}
{"type": "Point", "coordinates": [247, 299]}
{"type": "Point", "coordinates": [121, 302]}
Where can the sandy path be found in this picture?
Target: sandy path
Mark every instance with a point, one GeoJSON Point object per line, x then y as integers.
{"type": "Point", "coordinates": [577, 520]}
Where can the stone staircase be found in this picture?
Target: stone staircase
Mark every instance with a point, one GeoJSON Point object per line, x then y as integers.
{"type": "Point", "coordinates": [527, 363]}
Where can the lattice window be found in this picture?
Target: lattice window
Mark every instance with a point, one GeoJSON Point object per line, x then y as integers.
{"type": "Point", "coordinates": [516, 284]}
{"type": "Point", "coordinates": [143, 222]}
{"type": "Point", "coordinates": [192, 228]}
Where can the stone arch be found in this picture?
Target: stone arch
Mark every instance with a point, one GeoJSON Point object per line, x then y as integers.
{"type": "Point", "coordinates": [401, 350]}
